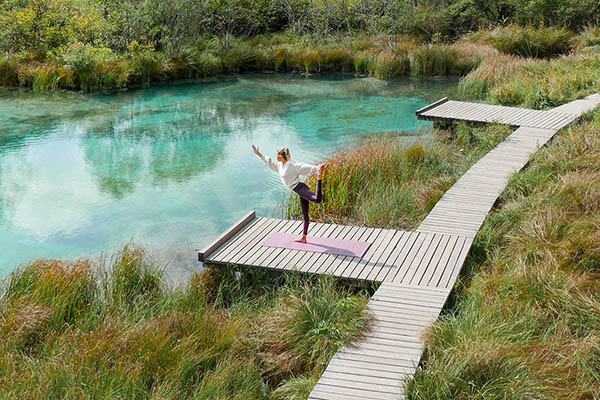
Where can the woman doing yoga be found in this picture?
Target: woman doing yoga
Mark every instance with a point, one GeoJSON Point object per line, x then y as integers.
{"type": "Point", "coordinates": [290, 172]}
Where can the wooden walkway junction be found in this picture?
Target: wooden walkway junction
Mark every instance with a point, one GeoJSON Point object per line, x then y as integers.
{"type": "Point", "coordinates": [449, 111]}
{"type": "Point", "coordinates": [417, 270]}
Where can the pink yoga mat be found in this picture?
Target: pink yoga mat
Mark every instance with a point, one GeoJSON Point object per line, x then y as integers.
{"type": "Point", "coordinates": [316, 244]}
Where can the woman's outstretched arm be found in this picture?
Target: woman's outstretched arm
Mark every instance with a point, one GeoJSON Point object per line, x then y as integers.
{"type": "Point", "coordinates": [268, 160]}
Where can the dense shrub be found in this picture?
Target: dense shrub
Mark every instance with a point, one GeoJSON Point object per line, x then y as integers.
{"type": "Point", "coordinates": [171, 26]}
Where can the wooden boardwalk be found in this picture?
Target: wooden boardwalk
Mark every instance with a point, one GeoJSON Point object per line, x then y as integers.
{"type": "Point", "coordinates": [417, 270]}
{"type": "Point", "coordinates": [449, 111]}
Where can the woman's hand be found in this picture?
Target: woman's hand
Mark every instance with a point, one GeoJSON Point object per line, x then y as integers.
{"type": "Point", "coordinates": [255, 150]}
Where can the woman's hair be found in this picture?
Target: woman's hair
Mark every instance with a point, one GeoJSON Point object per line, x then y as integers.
{"type": "Point", "coordinates": [285, 152]}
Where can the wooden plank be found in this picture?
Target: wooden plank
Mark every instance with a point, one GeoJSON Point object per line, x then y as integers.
{"type": "Point", "coordinates": [396, 344]}
{"type": "Point", "coordinates": [367, 263]}
{"type": "Point", "coordinates": [346, 393]}
{"type": "Point", "coordinates": [398, 356]}
{"type": "Point", "coordinates": [269, 259]}
{"type": "Point", "coordinates": [406, 288]}
{"type": "Point", "coordinates": [262, 251]}
{"type": "Point", "coordinates": [283, 262]}
{"type": "Point", "coordinates": [430, 106]}
{"type": "Point", "coordinates": [459, 217]}
{"type": "Point", "coordinates": [435, 281]}
{"type": "Point", "coordinates": [372, 364]}
{"type": "Point", "coordinates": [414, 241]}
{"type": "Point", "coordinates": [519, 114]}
{"type": "Point", "coordinates": [404, 336]}
{"type": "Point", "coordinates": [368, 369]}
{"type": "Point", "coordinates": [388, 363]}
{"type": "Point", "coordinates": [416, 300]}
{"type": "Point", "coordinates": [449, 279]}
{"type": "Point", "coordinates": [441, 110]}
{"type": "Point", "coordinates": [405, 309]}
{"type": "Point", "coordinates": [424, 260]}
{"type": "Point", "coordinates": [384, 385]}
{"type": "Point", "coordinates": [366, 236]}
{"type": "Point", "coordinates": [381, 261]}
{"type": "Point", "coordinates": [446, 230]}
{"type": "Point", "coordinates": [306, 261]}
{"type": "Point", "coordinates": [393, 382]}
{"type": "Point", "coordinates": [426, 296]}
{"type": "Point", "coordinates": [337, 233]}
{"type": "Point", "coordinates": [355, 234]}
{"type": "Point", "coordinates": [253, 240]}
{"type": "Point", "coordinates": [226, 251]}
{"type": "Point", "coordinates": [225, 236]}
{"type": "Point", "coordinates": [426, 301]}
{"type": "Point", "coordinates": [392, 328]}
{"type": "Point", "coordinates": [355, 264]}
{"type": "Point", "coordinates": [398, 310]}
{"type": "Point", "coordinates": [456, 215]}
{"type": "Point", "coordinates": [422, 241]}
{"type": "Point", "coordinates": [452, 222]}
{"type": "Point", "coordinates": [346, 233]}
{"type": "Point", "coordinates": [428, 272]}
{"type": "Point", "coordinates": [407, 239]}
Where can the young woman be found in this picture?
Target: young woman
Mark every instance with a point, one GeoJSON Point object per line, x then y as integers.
{"type": "Point", "coordinates": [290, 172]}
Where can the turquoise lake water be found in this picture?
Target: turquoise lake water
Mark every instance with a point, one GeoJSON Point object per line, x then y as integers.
{"type": "Point", "coordinates": [171, 166]}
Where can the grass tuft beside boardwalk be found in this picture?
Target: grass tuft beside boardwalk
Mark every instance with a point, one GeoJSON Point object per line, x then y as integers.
{"type": "Point", "coordinates": [527, 321]}
{"type": "Point", "coordinates": [68, 330]}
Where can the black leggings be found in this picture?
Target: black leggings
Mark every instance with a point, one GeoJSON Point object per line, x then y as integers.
{"type": "Point", "coordinates": [305, 196]}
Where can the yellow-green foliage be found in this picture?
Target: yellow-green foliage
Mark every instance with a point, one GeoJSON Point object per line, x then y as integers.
{"type": "Point", "coordinates": [494, 68]}
{"type": "Point", "coordinates": [87, 67]}
{"type": "Point", "coordinates": [542, 42]}
{"type": "Point", "coordinates": [545, 84]}
{"type": "Point", "coordinates": [528, 324]}
{"type": "Point", "coordinates": [538, 84]}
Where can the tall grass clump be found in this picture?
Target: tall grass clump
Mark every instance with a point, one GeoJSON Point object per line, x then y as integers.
{"type": "Point", "coordinates": [302, 335]}
{"type": "Point", "coordinates": [45, 296]}
{"type": "Point", "coordinates": [494, 68]}
{"type": "Point", "coordinates": [589, 37]}
{"type": "Point", "coordinates": [530, 42]}
{"type": "Point", "coordinates": [116, 330]}
{"type": "Point", "coordinates": [526, 324]}
{"type": "Point", "coordinates": [132, 274]}
{"type": "Point", "coordinates": [442, 60]}
{"type": "Point", "coordinates": [545, 84]}
{"type": "Point", "coordinates": [386, 183]}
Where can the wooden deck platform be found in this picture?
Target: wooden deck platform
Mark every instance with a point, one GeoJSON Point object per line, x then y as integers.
{"type": "Point", "coordinates": [417, 270]}
{"type": "Point", "coordinates": [412, 258]}
{"type": "Point", "coordinates": [449, 111]}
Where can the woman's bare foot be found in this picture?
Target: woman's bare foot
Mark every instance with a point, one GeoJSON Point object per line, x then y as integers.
{"type": "Point", "coordinates": [321, 171]}
{"type": "Point", "coordinates": [301, 240]}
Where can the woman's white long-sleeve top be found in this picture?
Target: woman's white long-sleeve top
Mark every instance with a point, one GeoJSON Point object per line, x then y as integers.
{"type": "Point", "coordinates": [291, 171]}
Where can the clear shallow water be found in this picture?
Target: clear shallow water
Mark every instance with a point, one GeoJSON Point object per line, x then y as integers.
{"type": "Point", "coordinates": [171, 166]}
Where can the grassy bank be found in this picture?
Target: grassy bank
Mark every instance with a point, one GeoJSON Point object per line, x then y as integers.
{"type": "Point", "coordinates": [526, 323]}
{"type": "Point", "coordinates": [85, 67]}
{"type": "Point", "coordinates": [512, 78]}
{"type": "Point", "coordinates": [70, 330]}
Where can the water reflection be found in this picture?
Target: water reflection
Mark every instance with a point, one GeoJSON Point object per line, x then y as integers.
{"type": "Point", "coordinates": [171, 165]}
